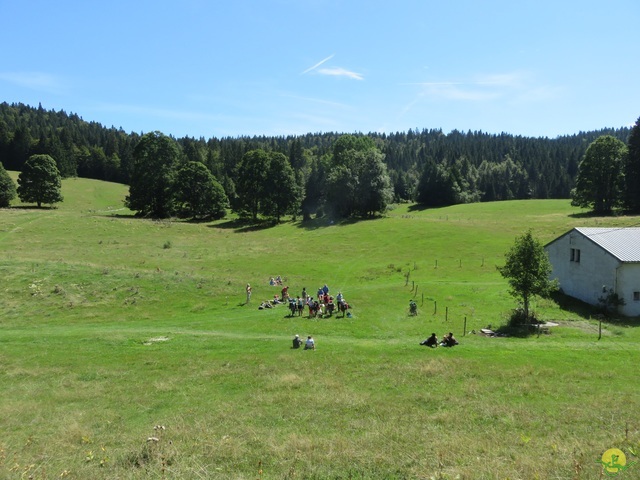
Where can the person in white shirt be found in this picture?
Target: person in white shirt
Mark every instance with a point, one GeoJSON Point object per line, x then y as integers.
{"type": "Point", "coordinates": [310, 344]}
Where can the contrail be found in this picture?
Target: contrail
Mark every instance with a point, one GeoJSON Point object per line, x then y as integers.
{"type": "Point", "coordinates": [318, 64]}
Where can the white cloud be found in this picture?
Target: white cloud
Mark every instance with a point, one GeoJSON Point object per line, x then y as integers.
{"type": "Point", "coordinates": [183, 115]}
{"type": "Point", "coordinates": [332, 71]}
{"type": "Point", "coordinates": [340, 72]}
{"type": "Point", "coordinates": [485, 87]}
{"type": "Point", "coordinates": [310, 69]}
{"type": "Point", "coordinates": [34, 80]}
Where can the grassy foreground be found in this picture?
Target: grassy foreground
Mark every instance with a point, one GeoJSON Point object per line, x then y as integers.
{"type": "Point", "coordinates": [126, 350]}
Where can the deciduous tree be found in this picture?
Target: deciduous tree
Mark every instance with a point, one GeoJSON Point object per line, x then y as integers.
{"type": "Point", "coordinates": [251, 182]}
{"type": "Point", "coordinates": [198, 194]}
{"type": "Point", "coordinates": [40, 181]}
{"type": "Point", "coordinates": [527, 269]}
{"type": "Point", "coordinates": [155, 160]}
{"type": "Point", "coordinates": [7, 188]}
{"type": "Point", "coordinates": [358, 182]}
{"type": "Point", "coordinates": [282, 193]}
{"type": "Point", "coordinates": [599, 180]}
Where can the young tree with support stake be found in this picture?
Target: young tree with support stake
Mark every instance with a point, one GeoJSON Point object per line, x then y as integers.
{"type": "Point", "coordinates": [527, 269]}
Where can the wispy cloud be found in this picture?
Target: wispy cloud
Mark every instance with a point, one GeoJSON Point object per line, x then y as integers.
{"type": "Point", "coordinates": [332, 71]}
{"type": "Point", "coordinates": [516, 88]}
{"type": "Point", "coordinates": [483, 87]}
{"type": "Point", "coordinates": [340, 72]}
{"type": "Point", "coordinates": [34, 80]}
{"type": "Point", "coordinates": [183, 115]}
{"type": "Point", "coordinates": [310, 69]}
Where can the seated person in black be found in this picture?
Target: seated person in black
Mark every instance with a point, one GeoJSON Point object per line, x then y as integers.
{"type": "Point", "coordinates": [297, 342]}
{"type": "Point", "coordinates": [432, 341]}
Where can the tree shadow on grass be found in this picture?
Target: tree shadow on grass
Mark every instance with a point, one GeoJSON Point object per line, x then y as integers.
{"type": "Point", "coordinates": [324, 222]}
{"type": "Point", "coordinates": [418, 207]}
{"type": "Point", "coordinates": [592, 214]}
{"type": "Point", "coordinates": [240, 225]}
{"type": "Point", "coordinates": [32, 207]}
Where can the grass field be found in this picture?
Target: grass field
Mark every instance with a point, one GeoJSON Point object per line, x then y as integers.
{"type": "Point", "coordinates": [127, 351]}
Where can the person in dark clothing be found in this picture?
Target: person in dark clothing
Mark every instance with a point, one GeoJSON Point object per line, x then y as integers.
{"type": "Point", "coordinates": [432, 341]}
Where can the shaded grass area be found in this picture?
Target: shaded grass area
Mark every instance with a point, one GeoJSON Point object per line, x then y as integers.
{"type": "Point", "coordinates": [113, 326]}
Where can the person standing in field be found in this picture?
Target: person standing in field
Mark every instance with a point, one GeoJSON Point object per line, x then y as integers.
{"type": "Point", "coordinates": [248, 289]}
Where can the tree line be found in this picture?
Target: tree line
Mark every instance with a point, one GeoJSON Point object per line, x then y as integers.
{"type": "Point", "coordinates": [313, 174]}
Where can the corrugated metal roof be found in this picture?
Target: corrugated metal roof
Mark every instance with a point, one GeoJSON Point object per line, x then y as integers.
{"type": "Point", "coordinates": [622, 243]}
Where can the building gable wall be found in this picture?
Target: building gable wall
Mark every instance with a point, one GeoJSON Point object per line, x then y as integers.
{"type": "Point", "coordinates": [583, 269]}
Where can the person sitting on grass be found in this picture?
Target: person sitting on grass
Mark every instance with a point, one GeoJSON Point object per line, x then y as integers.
{"type": "Point", "coordinates": [310, 344]}
{"type": "Point", "coordinates": [297, 341]}
{"type": "Point", "coordinates": [449, 340]}
{"type": "Point", "coordinates": [432, 341]}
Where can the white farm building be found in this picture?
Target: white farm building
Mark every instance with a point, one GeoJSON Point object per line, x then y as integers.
{"type": "Point", "coordinates": [591, 262]}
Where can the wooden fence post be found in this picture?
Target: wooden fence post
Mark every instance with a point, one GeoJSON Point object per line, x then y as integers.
{"type": "Point", "coordinates": [599, 329]}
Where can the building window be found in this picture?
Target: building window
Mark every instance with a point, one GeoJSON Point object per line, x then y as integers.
{"type": "Point", "coordinates": [575, 255]}
{"type": "Point", "coordinates": [636, 296]}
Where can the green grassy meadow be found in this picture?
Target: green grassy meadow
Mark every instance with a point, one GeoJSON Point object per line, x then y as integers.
{"type": "Point", "coordinates": [127, 350]}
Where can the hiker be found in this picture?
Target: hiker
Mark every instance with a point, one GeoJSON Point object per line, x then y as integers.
{"type": "Point", "coordinates": [297, 341]}
{"type": "Point", "coordinates": [432, 341]}
{"type": "Point", "coordinates": [413, 307]}
{"type": "Point", "coordinates": [300, 305]}
{"type": "Point", "coordinates": [310, 344]}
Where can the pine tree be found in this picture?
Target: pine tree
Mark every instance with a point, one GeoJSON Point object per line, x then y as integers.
{"type": "Point", "coordinates": [632, 171]}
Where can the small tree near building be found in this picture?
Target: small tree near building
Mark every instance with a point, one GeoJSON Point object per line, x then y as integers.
{"type": "Point", "coordinates": [527, 269]}
{"type": "Point", "coordinates": [40, 181]}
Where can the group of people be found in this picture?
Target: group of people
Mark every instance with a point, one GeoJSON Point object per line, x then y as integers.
{"type": "Point", "coordinates": [309, 343]}
{"type": "Point", "coordinates": [323, 305]}
{"type": "Point", "coordinates": [448, 340]}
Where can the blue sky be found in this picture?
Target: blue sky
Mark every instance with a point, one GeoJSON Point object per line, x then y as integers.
{"type": "Point", "coordinates": [281, 67]}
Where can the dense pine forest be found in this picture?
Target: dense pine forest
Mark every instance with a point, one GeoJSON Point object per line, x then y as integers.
{"type": "Point", "coordinates": [429, 166]}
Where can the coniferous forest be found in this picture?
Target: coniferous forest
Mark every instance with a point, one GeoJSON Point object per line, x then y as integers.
{"type": "Point", "coordinates": [431, 167]}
